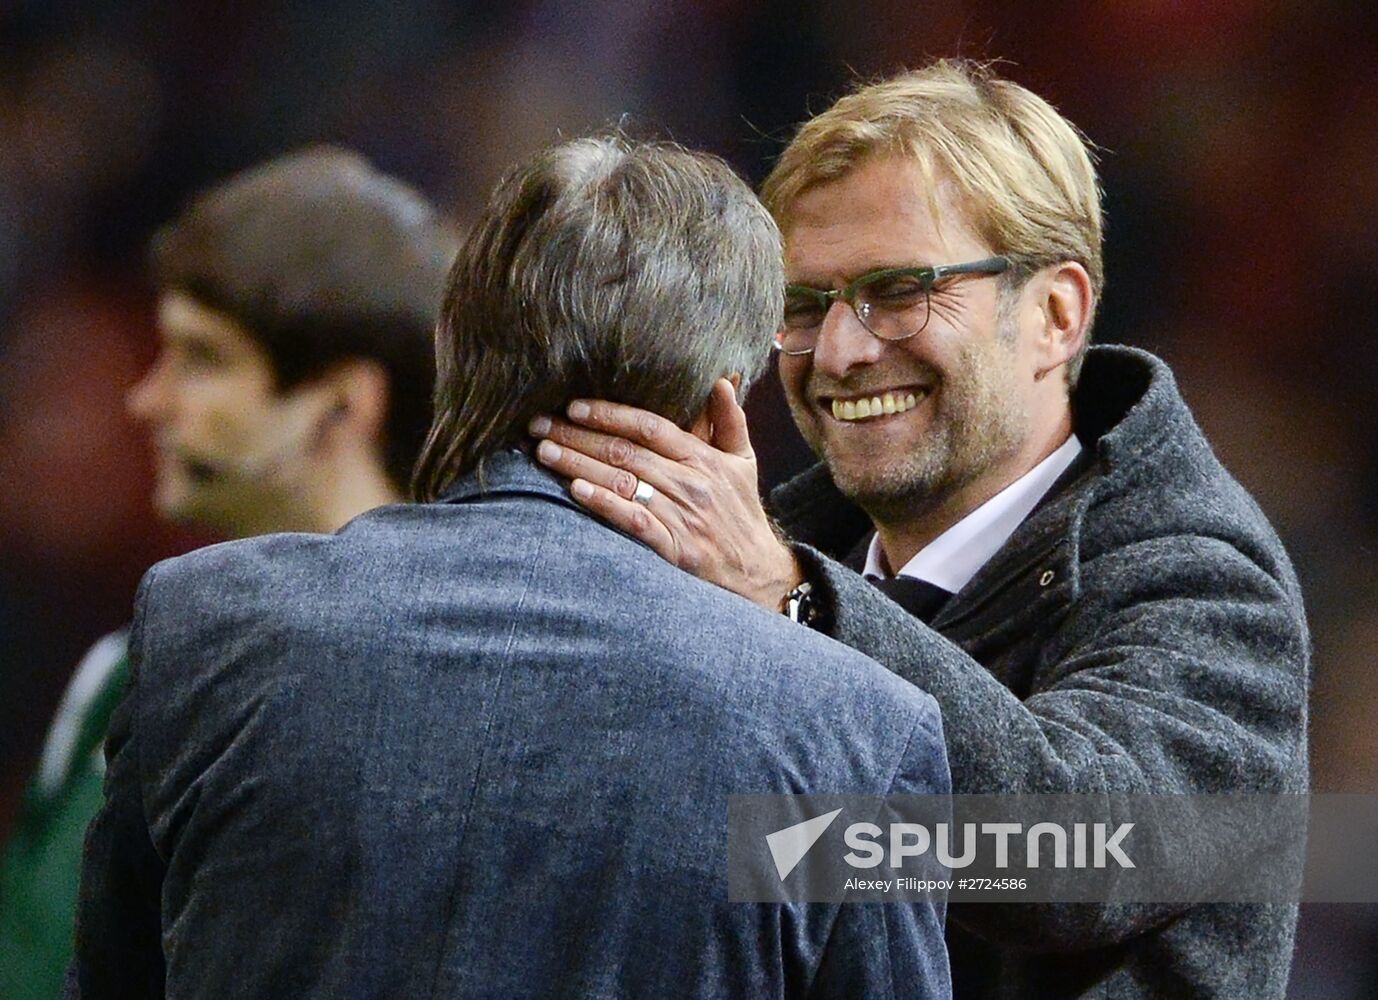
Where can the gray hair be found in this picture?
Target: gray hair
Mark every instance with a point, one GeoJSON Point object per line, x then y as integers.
{"type": "Point", "coordinates": [638, 272]}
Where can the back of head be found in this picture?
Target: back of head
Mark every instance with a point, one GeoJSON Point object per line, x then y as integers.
{"type": "Point", "coordinates": [1023, 173]}
{"type": "Point", "coordinates": [632, 271]}
{"type": "Point", "coordinates": [321, 258]}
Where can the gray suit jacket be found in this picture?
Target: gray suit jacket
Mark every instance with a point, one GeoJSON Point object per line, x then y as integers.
{"type": "Point", "coordinates": [480, 747]}
{"type": "Point", "coordinates": [1141, 632]}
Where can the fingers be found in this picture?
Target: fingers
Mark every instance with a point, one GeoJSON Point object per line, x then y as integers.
{"type": "Point", "coordinates": [628, 516]}
{"type": "Point", "coordinates": [610, 462]}
{"type": "Point", "coordinates": [648, 429]}
{"type": "Point", "coordinates": [728, 420]}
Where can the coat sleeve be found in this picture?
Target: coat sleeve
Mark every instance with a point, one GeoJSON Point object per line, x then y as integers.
{"type": "Point", "coordinates": [119, 926]}
{"type": "Point", "coordinates": [1181, 668]}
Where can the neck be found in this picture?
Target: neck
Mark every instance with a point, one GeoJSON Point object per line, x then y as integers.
{"type": "Point", "coordinates": [338, 507]}
{"type": "Point", "coordinates": [340, 491]}
{"type": "Point", "coordinates": [906, 533]}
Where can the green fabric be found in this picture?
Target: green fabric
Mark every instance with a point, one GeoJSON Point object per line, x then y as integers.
{"type": "Point", "coordinates": [41, 865]}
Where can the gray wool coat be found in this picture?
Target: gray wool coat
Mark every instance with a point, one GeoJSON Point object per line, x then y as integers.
{"type": "Point", "coordinates": [1141, 632]}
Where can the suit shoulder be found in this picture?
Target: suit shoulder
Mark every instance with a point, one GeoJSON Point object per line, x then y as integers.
{"type": "Point", "coordinates": [759, 686]}
{"type": "Point", "coordinates": [211, 576]}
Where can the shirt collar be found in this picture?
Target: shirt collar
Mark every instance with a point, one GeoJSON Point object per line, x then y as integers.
{"type": "Point", "coordinates": [955, 556]}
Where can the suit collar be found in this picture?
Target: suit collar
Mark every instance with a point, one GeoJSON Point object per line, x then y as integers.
{"type": "Point", "coordinates": [506, 473]}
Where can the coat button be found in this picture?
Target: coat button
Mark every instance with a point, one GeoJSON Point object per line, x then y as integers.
{"type": "Point", "coordinates": [1046, 578]}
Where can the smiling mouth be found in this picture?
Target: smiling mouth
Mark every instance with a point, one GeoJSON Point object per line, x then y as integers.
{"type": "Point", "coordinates": [870, 407]}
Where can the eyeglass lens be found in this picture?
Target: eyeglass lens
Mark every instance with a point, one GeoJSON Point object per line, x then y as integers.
{"type": "Point", "coordinates": [892, 308]}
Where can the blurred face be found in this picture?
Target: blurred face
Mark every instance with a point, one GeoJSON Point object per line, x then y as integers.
{"type": "Point", "coordinates": [222, 433]}
{"type": "Point", "coordinates": [961, 387]}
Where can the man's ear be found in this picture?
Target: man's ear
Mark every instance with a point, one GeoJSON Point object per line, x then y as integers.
{"type": "Point", "coordinates": [1066, 308]}
{"type": "Point", "coordinates": [702, 427]}
{"type": "Point", "coordinates": [360, 389]}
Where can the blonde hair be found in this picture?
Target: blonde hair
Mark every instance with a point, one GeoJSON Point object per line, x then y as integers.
{"type": "Point", "coordinates": [1024, 173]}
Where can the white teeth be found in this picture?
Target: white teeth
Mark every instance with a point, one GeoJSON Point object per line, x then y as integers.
{"type": "Point", "coordinates": [875, 406]}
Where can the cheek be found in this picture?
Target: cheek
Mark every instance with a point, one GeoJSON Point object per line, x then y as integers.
{"type": "Point", "coordinates": [220, 410]}
{"type": "Point", "coordinates": [935, 356]}
{"type": "Point", "coordinates": [990, 390]}
{"type": "Point", "coordinates": [201, 408]}
{"type": "Point", "coordinates": [794, 377]}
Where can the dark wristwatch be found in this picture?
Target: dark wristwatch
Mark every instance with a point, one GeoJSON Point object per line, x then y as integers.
{"type": "Point", "coordinates": [801, 606]}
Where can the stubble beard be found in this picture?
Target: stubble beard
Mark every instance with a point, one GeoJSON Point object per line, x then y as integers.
{"type": "Point", "coordinates": [977, 423]}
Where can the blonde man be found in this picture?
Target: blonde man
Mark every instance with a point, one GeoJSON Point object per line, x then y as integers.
{"type": "Point", "coordinates": [1034, 532]}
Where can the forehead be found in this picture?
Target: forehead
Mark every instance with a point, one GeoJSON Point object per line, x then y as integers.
{"type": "Point", "coordinates": [882, 213]}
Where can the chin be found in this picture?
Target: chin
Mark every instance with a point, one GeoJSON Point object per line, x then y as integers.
{"type": "Point", "coordinates": [865, 487]}
{"type": "Point", "coordinates": [184, 508]}
{"type": "Point", "coordinates": [886, 490]}
{"type": "Point", "coordinates": [169, 501]}
{"type": "Point", "coordinates": [182, 514]}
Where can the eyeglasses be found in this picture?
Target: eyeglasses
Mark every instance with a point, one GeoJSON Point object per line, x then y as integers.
{"type": "Point", "coordinates": [893, 304]}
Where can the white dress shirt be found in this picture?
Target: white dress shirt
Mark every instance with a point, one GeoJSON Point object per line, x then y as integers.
{"type": "Point", "coordinates": [955, 556]}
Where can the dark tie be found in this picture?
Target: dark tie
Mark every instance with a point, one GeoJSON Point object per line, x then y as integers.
{"type": "Point", "coordinates": [920, 598]}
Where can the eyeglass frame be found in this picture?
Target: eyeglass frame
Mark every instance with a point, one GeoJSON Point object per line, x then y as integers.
{"type": "Point", "coordinates": [927, 277]}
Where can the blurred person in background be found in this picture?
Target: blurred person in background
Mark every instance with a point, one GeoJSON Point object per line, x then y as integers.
{"type": "Point", "coordinates": [296, 309]}
{"type": "Point", "coordinates": [482, 745]}
{"type": "Point", "coordinates": [1034, 532]}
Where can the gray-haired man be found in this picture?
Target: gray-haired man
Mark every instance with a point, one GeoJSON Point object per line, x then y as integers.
{"type": "Point", "coordinates": [482, 746]}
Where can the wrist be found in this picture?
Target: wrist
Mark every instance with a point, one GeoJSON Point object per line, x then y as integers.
{"type": "Point", "coordinates": [786, 577]}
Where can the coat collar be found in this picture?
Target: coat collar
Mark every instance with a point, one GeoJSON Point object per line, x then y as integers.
{"type": "Point", "coordinates": [506, 473]}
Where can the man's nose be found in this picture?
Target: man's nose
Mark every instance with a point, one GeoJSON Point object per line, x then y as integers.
{"type": "Point", "coordinates": [147, 399]}
{"type": "Point", "coordinates": [844, 342]}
